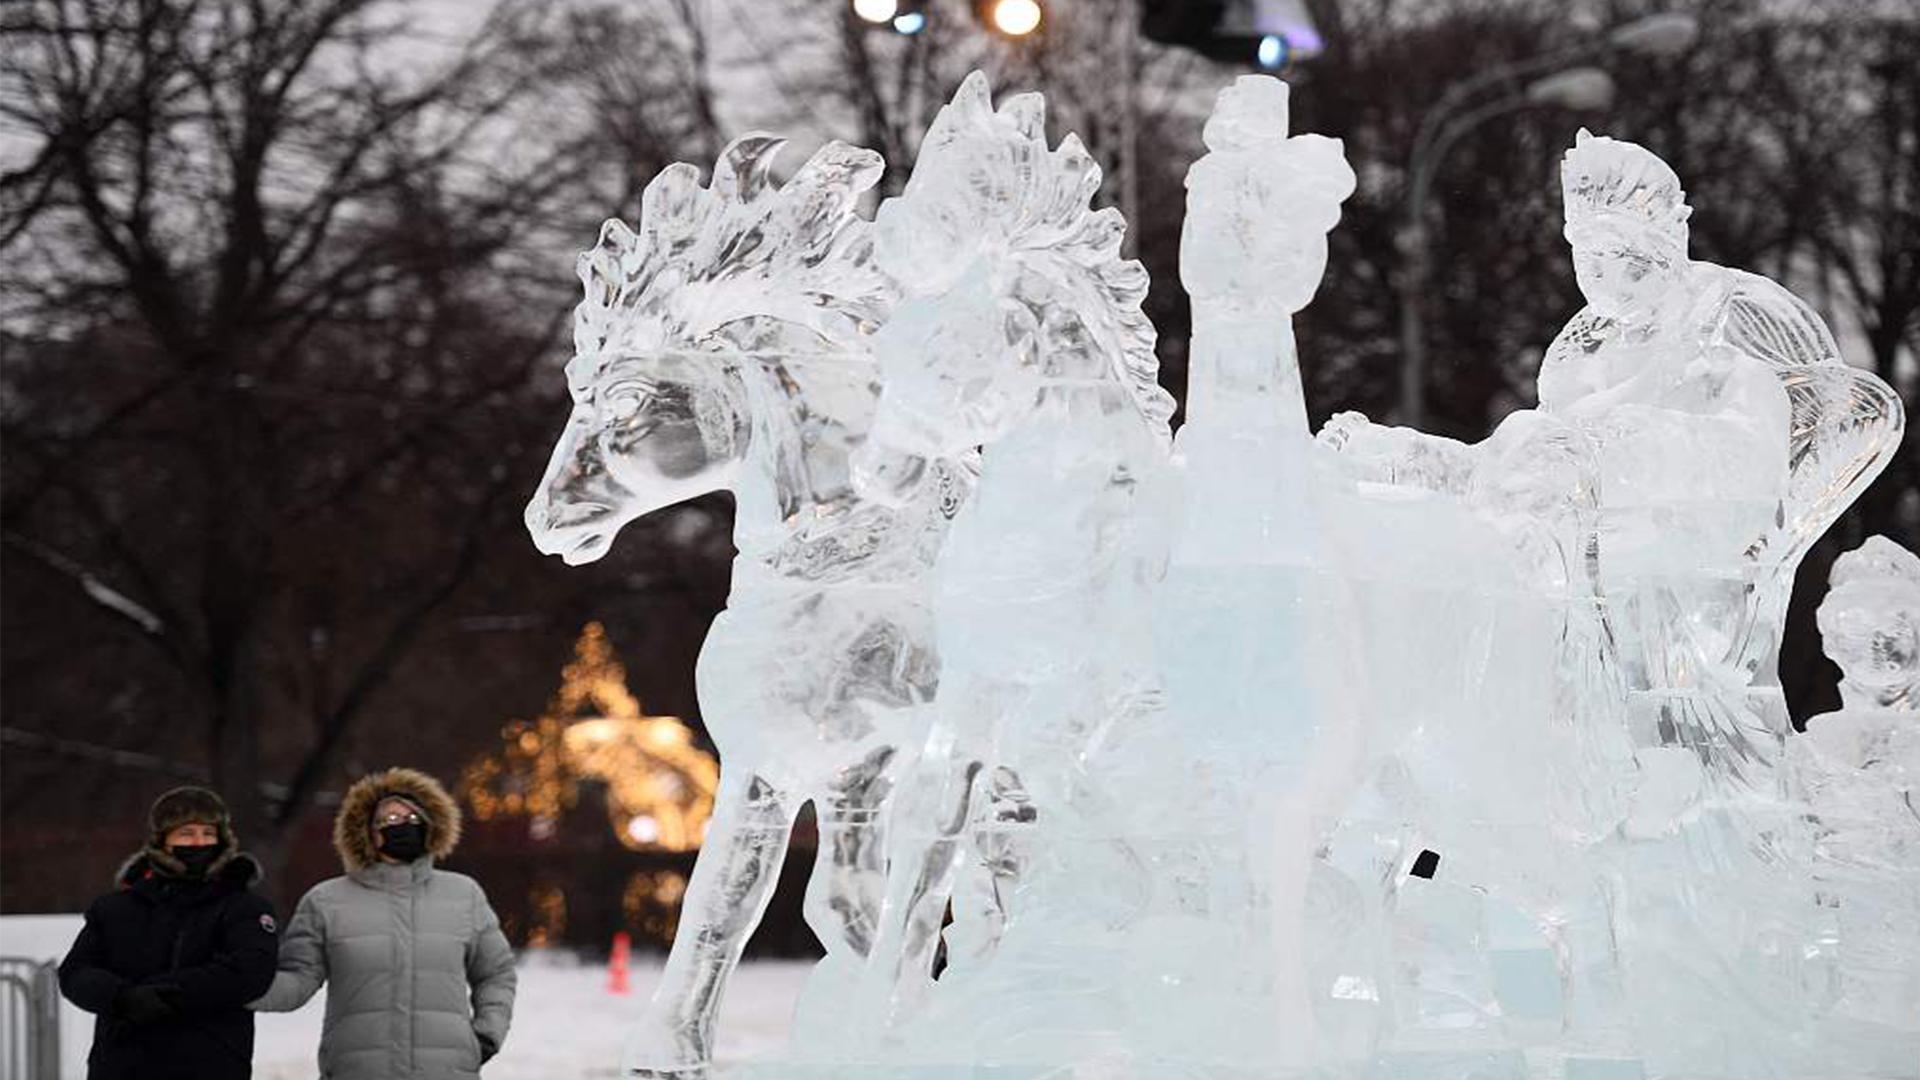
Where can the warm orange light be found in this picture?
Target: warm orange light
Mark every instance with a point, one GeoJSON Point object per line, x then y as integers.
{"type": "Point", "coordinates": [651, 902]}
{"type": "Point", "coordinates": [1015, 18]}
{"type": "Point", "coordinates": [549, 906]}
{"type": "Point", "coordinates": [660, 786]}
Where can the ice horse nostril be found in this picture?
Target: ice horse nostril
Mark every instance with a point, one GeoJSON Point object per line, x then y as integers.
{"type": "Point", "coordinates": [538, 516]}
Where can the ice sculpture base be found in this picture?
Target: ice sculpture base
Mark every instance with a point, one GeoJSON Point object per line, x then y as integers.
{"type": "Point", "coordinates": [1434, 1065]}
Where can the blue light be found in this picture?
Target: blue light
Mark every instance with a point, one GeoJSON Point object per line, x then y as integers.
{"type": "Point", "coordinates": [1272, 53]}
{"type": "Point", "coordinates": [910, 23]}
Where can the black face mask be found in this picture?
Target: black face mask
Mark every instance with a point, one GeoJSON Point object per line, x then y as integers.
{"type": "Point", "coordinates": [197, 858]}
{"type": "Point", "coordinates": [403, 842]}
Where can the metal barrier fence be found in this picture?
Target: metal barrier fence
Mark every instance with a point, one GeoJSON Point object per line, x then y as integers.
{"type": "Point", "coordinates": [29, 1019]}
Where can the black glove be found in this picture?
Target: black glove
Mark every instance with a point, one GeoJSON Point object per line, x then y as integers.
{"type": "Point", "coordinates": [488, 1048]}
{"type": "Point", "coordinates": [145, 1004]}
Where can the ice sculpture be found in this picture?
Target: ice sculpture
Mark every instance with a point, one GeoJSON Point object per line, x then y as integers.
{"type": "Point", "coordinates": [1706, 417]}
{"type": "Point", "coordinates": [1250, 641]}
{"type": "Point", "coordinates": [725, 345]}
{"type": "Point", "coordinates": [1019, 332]}
{"type": "Point", "coordinates": [1250, 752]}
{"type": "Point", "coordinates": [1859, 771]}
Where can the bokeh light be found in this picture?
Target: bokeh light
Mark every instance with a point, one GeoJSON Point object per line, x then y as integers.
{"type": "Point", "coordinates": [876, 11]}
{"type": "Point", "coordinates": [1016, 18]}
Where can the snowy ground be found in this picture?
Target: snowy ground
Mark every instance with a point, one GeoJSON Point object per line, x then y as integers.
{"type": "Point", "coordinates": [565, 1024]}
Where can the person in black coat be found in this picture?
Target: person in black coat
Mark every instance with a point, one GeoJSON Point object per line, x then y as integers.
{"type": "Point", "coordinates": [169, 960]}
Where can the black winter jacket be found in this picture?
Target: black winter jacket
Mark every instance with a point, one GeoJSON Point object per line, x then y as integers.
{"type": "Point", "coordinates": [212, 943]}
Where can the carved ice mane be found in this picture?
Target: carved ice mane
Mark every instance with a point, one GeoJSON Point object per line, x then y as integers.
{"type": "Point", "coordinates": [987, 185]}
{"type": "Point", "coordinates": [706, 257]}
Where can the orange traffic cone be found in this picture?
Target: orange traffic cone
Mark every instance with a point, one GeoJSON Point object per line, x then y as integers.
{"type": "Point", "coordinates": [617, 964]}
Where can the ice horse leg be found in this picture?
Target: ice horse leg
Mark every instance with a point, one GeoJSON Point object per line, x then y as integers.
{"type": "Point", "coordinates": [732, 882]}
{"type": "Point", "coordinates": [845, 895]}
{"type": "Point", "coordinates": [925, 847]}
{"type": "Point", "coordinates": [849, 879]}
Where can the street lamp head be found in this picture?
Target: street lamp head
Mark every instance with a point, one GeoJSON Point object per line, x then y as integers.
{"type": "Point", "coordinates": [1667, 34]}
{"type": "Point", "coordinates": [1586, 88]}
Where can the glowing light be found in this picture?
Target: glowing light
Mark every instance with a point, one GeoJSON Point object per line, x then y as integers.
{"type": "Point", "coordinates": [549, 904]}
{"type": "Point", "coordinates": [910, 23]}
{"type": "Point", "coordinates": [1303, 39]}
{"type": "Point", "coordinates": [1272, 53]}
{"type": "Point", "coordinates": [1016, 18]}
{"type": "Point", "coordinates": [594, 729]}
{"type": "Point", "coordinates": [651, 902]}
{"type": "Point", "coordinates": [876, 11]}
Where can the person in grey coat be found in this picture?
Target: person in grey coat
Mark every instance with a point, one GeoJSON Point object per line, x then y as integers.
{"type": "Point", "coordinates": [420, 978]}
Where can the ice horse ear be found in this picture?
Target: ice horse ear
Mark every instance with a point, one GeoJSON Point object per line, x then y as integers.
{"type": "Point", "coordinates": [745, 168]}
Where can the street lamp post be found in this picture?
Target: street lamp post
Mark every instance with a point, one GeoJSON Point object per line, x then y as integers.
{"type": "Point", "coordinates": [1129, 129]}
{"type": "Point", "coordinates": [1558, 80]}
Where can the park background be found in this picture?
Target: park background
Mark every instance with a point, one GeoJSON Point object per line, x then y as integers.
{"type": "Point", "coordinates": [287, 287]}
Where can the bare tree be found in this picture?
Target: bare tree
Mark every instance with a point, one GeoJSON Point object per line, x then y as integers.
{"type": "Point", "coordinates": [278, 276]}
{"type": "Point", "coordinates": [1851, 150]}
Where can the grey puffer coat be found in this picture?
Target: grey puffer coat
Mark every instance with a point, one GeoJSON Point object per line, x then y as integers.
{"type": "Point", "coordinates": [419, 977]}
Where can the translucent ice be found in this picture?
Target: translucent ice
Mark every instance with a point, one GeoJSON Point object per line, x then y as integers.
{"type": "Point", "coordinates": [1252, 752]}
{"type": "Point", "coordinates": [1019, 333]}
{"type": "Point", "coordinates": [726, 345]}
{"type": "Point", "coordinates": [1858, 769]}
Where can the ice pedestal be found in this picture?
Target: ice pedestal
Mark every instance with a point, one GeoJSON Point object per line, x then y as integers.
{"type": "Point", "coordinates": [1250, 752]}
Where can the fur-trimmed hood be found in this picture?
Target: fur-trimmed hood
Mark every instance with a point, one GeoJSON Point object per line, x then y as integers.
{"type": "Point", "coordinates": [351, 825]}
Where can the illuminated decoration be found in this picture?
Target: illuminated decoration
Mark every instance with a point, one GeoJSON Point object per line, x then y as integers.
{"type": "Point", "coordinates": [659, 784]}
{"type": "Point", "coordinates": [1015, 18]}
{"type": "Point", "coordinates": [876, 11]}
{"type": "Point", "coordinates": [549, 903]}
{"type": "Point", "coordinates": [651, 902]}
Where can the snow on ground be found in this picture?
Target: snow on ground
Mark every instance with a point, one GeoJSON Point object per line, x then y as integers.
{"type": "Point", "coordinates": [565, 1023]}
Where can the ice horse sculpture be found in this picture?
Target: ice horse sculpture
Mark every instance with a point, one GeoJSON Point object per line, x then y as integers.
{"type": "Point", "coordinates": [1251, 752]}
{"type": "Point", "coordinates": [725, 345]}
{"type": "Point", "coordinates": [1019, 333]}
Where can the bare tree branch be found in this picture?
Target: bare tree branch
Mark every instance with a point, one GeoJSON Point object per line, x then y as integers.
{"type": "Point", "coordinates": [96, 589]}
{"type": "Point", "coordinates": [386, 656]}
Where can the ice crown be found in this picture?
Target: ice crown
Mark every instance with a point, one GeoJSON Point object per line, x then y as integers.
{"type": "Point", "coordinates": [1604, 177]}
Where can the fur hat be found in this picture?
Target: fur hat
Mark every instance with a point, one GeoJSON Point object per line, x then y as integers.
{"type": "Point", "coordinates": [352, 826]}
{"type": "Point", "coordinates": [188, 806]}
